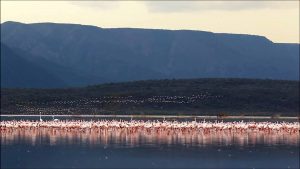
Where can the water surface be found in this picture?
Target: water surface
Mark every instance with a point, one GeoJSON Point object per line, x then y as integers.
{"type": "Point", "coordinates": [58, 148]}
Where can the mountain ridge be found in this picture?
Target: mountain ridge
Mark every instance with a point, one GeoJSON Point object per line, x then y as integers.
{"type": "Point", "coordinates": [127, 54]}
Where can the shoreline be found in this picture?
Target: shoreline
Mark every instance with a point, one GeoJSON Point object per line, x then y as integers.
{"type": "Point", "coordinates": [157, 116]}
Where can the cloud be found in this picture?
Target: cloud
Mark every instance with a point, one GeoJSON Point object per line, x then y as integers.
{"type": "Point", "coordinates": [191, 6]}
{"type": "Point", "coordinates": [103, 5]}
{"type": "Point", "coordinates": [187, 6]}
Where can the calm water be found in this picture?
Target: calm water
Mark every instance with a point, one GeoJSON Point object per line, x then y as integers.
{"type": "Point", "coordinates": [49, 148]}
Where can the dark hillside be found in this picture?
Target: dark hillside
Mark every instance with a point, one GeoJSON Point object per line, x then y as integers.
{"type": "Point", "coordinates": [191, 96]}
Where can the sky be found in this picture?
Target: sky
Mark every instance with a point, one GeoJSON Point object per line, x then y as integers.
{"type": "Point", "coordinates": [277, 20]}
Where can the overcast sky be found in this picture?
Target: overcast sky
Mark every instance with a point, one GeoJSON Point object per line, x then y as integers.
{"type": "Point", "coordinates": [277, 20]}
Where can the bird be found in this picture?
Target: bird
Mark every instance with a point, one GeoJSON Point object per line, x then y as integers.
{"type": "Point", "coordinates": [54, 119]}
{"type": "Point", "coordinates": [41, 120]}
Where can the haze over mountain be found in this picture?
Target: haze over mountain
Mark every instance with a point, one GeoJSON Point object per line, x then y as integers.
{"type": "Point", "coordinates": [77, 55]}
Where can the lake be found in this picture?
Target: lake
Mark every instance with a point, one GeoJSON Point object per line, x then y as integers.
{"type": "Point", "coordinates": [49, 148]}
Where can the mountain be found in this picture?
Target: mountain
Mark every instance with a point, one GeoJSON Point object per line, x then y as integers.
{"type": "Point", "coordinates": [21, 70]}
{"type": "Point", "coordinates": [18, 72]}
{"type": "Point", "coordinates": [94, 55]}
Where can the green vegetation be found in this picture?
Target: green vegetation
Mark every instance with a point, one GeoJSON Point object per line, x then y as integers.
{"type": "Point", "coordinates": [177, 97]}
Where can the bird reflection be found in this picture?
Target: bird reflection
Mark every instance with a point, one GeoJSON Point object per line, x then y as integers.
{"type": "Point", "coordinates": [125, 137]}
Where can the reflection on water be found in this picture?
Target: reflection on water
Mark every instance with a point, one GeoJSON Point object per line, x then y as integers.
{"type": "Point", "coordinates": [56, 147]}
{"type": "Point", "coordinates": [127, 138]}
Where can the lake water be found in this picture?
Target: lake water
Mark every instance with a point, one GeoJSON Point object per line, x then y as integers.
{"type": "Point", "coordinates": [48, 148]}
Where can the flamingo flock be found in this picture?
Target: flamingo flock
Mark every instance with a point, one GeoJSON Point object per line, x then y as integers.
{"type": "Point", "coordinates": [133, 125]}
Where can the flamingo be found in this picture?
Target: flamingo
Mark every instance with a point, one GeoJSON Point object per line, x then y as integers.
{"type": "Point", "coordinates": [54, 119]}
{"type": "Point", "coordinates": [41, 120]}
{"type": "Point", "coordinates": [134, 125]}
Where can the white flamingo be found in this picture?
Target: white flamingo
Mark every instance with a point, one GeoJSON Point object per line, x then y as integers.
{"type": "Point", "coordinates": [54, 119]}
{"type": "Point", "coordinates": [41, 120]}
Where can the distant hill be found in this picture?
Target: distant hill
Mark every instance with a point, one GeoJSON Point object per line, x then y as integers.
{"type": "Point", "coordinates": [175, 97]}
{"type": "Point", "coordinates": [82, 55]}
